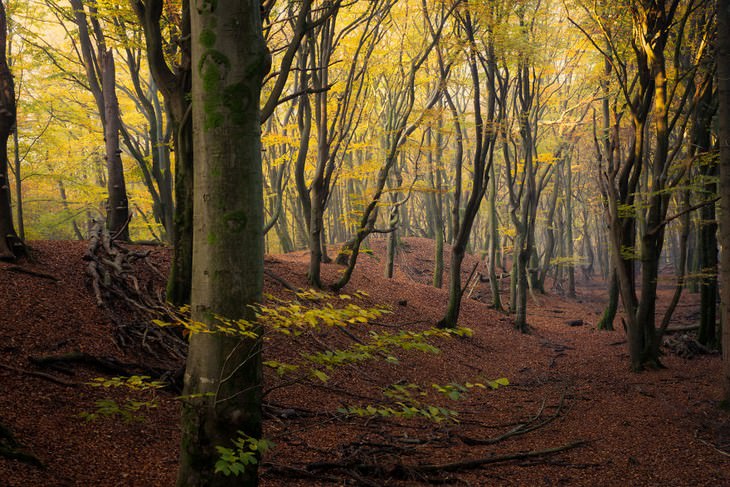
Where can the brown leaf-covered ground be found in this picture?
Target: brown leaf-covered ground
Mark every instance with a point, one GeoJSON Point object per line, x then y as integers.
{"type": "Point", "coordinates": [571, 382]}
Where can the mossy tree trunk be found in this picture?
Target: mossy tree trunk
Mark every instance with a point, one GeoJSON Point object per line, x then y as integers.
{"type": "Point", "coordinates": [223, 374]}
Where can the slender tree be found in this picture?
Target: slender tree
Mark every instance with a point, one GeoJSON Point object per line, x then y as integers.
{"type": "Point", "coordinates": [98, 60]}
{"type": "Point", "coordinates": [223, 375]}
{"type": "Point", "coordinates": [11, 246]}
{"type": "Point", "coordinates": [482, 158]}
{"type": "Point", "coordinates": [723, 76]}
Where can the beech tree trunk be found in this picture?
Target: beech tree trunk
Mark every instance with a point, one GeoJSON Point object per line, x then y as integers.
{"type": "Point", "coordinates": [223, 375]}
{"type": "Point", "coordinates": [118, 204]}
{"type": "Point", "coordinates": [98, 61]}
{"type": "Point", "coordinates": [723, 76]}
{"type": "Point", "coordinates": [174, 83]}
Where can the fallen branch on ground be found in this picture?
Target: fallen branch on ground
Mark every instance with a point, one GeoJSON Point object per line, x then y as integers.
{"type": "Point", "coordinates": [40, 375]}
{"type": "Point", "coordinates": [480, 462]}
{"type": "Point", "coordinates": [23, 270]}
{"type": "Point", "coordinates": [404, 472]}
{"type": "Point", "coordinates": [523, 428]}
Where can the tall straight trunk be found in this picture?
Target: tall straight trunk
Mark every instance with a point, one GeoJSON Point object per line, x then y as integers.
{"type": "Point", "coordinates": [701, 135]}
{"type": "Point", "coordinates": [569, 226]}
{"type": "Point", "coordinates": [118, 204]}
{"type": "Point", "coordinates": [224, 373]}
{"type": "Point", "coordinates": [723, 76]}
{"type": "Point", "coordinates": [18, 186]}
{"type": "Point", "coordinates": [435, 207]}
{"type": "Point", "coordinates": [588, 247]}
{"type": "Point", "coordinates": [493, 240]}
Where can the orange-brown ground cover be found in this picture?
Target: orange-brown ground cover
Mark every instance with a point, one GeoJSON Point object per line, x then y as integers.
{"type": "Point", "coordinates": [654, 428]}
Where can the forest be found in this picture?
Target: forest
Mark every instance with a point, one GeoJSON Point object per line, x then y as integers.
{"type": "Point", "coordinates": [364, 242]}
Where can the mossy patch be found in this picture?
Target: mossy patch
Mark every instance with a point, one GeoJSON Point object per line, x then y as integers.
{"type": "Point", "coordinates": [236, 221]}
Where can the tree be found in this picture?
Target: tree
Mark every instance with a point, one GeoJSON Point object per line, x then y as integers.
{"type": "Point", "coordinates": [173, 80]}
{"type": "Point", "coordinates": [639, 188]}
{"type": "Point", "coordinates": [723, 77]}
{"type": "Point", "coordinates": [482, 158]}
{"type": "Point", "coordinates": [11, 246]}
{"type": "Point", "coordinates": [223, 375]}
{"type": "Point", "coordinates": [98, 60]}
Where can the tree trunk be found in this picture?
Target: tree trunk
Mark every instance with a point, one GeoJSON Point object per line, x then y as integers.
{"type": "Point", "coordinates": [11, 247]}
{"type": "Point", "coordinates": [118, 204]}
{"type": "Point", "coordinates": [569, 226]}
{"type": "Point", "coordinates": [493, 240]}
{"type": "Point", "coordinates": [174, 83]}
{"type": "Point", "coordinates": [609, 312]}
{"type": "Point", "coordinates": [224, 373]}
{"type": "Point", "coordinates": [723, 72]}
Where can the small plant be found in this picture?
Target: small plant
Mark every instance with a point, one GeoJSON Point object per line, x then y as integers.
{"type": "Point", "coordinates": [109, 408]}
{"type": "Point", "coordinates": [246, 451]}
{"type": "Point", "coordinates": [127, 411]}
{"type": "Point", "coordinates": [456, 391]}
{"type": "Point", "coordinates": [406, 403]}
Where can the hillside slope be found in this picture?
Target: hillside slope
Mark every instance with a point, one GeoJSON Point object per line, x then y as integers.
{"type": "Point", "coordinates": [569, 387]}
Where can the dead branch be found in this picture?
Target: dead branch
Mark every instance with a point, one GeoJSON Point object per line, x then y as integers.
{"type": "Point", "coordinates": [534, 423]}
{"type": "Point", "coordinates": [23, 270]}
{"type": "Point", "coordinates": [280, 280]}
{"type": "Point", "coordinates": [403, 471]}
{"type": "Point", "coordinates": [480, 462]}
{"type": "Point", "coordinates": [40, 375]}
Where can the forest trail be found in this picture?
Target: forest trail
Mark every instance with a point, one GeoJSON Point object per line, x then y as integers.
{"type": "Point", "coordinates": [569, 389]}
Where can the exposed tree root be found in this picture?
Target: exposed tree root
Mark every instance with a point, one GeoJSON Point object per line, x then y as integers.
{"type": "Point", "coordinates": [107, 365]}
{"type": "Point", "coordinates": [131, 304]}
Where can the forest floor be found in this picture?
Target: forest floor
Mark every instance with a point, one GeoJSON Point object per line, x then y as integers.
{"type": "Point", "coordinates": [572, 413]}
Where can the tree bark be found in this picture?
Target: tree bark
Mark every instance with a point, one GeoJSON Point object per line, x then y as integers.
{"type": "Point", "coordinates": [224, 373]}
{"type": "Point", "coordinates": [11, 247]}
{"type": "Point", "coordinates": [118, 204]}
{"type": "Point", "coordinates": [174, 84]}
{"type": "Point", "coordinates": [723, 76]}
